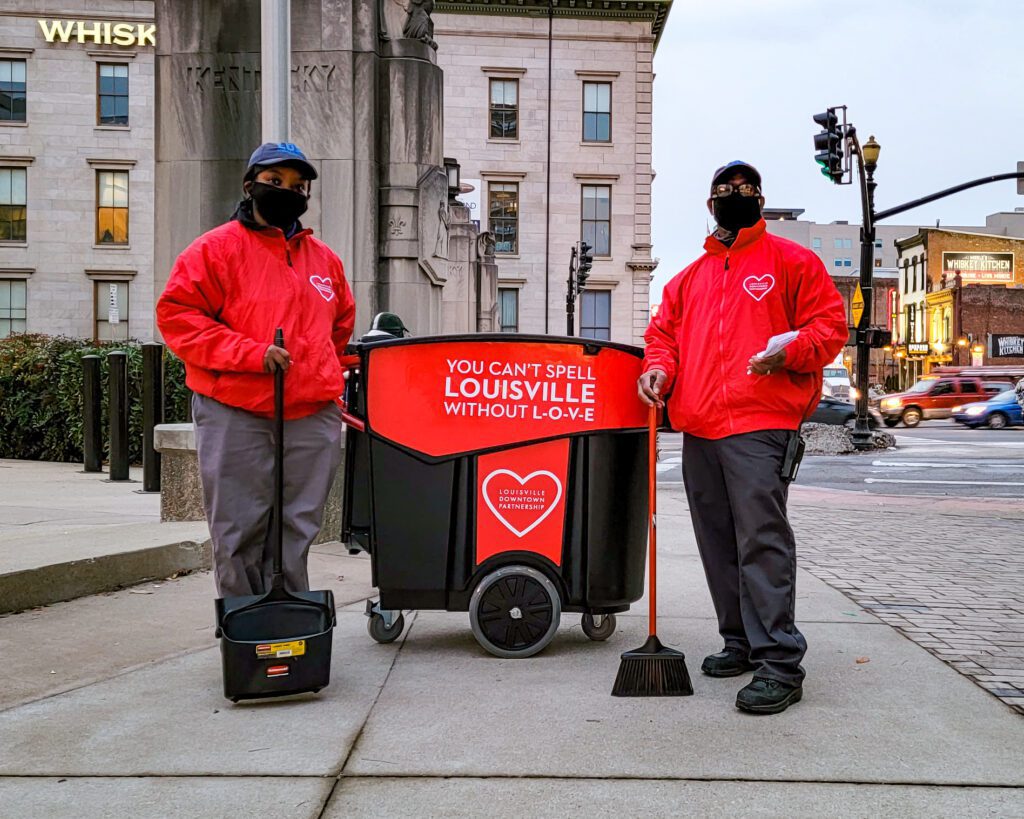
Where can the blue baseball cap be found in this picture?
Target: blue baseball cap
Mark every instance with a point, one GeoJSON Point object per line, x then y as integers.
{"type": "Point", "coordinates": [279, 153]}
{"type": "Point", "coordinates": [737, 166]}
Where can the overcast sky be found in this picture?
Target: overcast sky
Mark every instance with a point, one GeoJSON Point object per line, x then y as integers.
{"type": "Point", "coordinates": [940, 83]}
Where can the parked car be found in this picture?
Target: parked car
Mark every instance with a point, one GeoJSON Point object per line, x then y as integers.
{"type": "Point", "coordinates": [935, 398]}
{"type": "Point", "coordinates": [842, 413]}
{"type": "Point", "coordinates": [998, 412]}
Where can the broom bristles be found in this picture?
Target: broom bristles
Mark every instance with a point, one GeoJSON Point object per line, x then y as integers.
{"type": "Point", "coordinates": [653, 671]}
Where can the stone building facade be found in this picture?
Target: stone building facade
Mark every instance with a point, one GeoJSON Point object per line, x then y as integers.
{"type": "Point", "coordinates": [76, 168]}
{"type": "Point", "coordinates": [559, 156]}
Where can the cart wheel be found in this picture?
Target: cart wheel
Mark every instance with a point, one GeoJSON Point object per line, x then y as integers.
{"type": "Point", "coordinates": [598, 627]}
{"type": "Point", "coordinates": [379, 630]}
{"type": "Point", "coordinates": [514, 612]}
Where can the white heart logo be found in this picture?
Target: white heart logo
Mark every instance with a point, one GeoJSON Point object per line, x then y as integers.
{"type": "Point", "coordinates": [540, 473]}
{"type": "Point", "coordinates": [759, 286]}
{"type": "Point", "coordinates": [323, 286]}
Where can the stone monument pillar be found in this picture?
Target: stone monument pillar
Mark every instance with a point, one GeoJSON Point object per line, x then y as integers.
{"type": "Point", "coordinates": [366, 107]}
{"type": "Point", "coordinates": [470, 296]}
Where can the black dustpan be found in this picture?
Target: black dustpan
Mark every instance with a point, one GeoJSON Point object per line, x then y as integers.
{"type": "Point", "coordinates": [277, 643]}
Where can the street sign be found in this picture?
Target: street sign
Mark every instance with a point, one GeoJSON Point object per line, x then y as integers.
{"type": "Point", "coordinates": [1020, 182]}
{"type": "Point", "coordinates": [857, 306]}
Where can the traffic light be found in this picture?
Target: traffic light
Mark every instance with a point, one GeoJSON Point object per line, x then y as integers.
{"type": "Point", "coordinates": [828, 145]}
{"type": "Point", "coordinates": [586, 262]}
{"type": "Point", "coordinates": [878, 337]}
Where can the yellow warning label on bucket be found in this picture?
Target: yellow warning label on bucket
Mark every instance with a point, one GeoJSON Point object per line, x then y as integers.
{"type": "Point", "coordinates": [293, 649]}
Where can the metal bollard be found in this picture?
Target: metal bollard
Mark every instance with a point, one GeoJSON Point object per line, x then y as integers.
{"type": "Point", "coordinates": [117, 409]}
{"type": "Point", "coordinates": [92, 420]}
{"type": "Point", "coordinates": [152, 412]}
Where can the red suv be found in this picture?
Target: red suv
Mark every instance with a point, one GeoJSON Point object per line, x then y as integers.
{"type": "Point", "coordinates": [935, 398]}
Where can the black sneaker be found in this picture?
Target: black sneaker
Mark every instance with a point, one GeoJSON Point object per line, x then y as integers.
{"type": "Point", "coordinates": [726, 663]}
{"type": "Point", "coordinates": [764, 696]}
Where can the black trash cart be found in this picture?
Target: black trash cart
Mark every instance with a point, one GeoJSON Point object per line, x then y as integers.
{"type": "Point", "coordinates": [503, 475]}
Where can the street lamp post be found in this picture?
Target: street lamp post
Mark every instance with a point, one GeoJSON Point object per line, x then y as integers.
{"type": "Point", "coordinates": [867, 161]}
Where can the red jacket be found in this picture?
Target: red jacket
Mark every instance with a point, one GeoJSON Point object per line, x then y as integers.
{"type": "Point", "coordinates": [720, 311]}
{"type": "Point", "coordinates": [227, 294]}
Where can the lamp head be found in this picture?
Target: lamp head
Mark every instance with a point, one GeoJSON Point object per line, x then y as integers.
{"type": "Point", "coordinates": [870, 151]}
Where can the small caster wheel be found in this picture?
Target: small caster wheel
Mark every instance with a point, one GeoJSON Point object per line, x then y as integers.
{"type": "Point", "coordinates": [379, 630]}
{"type": "Point", "coordinates": [598, 627]}
{"type": "Point", "coordinates": [514, 612]}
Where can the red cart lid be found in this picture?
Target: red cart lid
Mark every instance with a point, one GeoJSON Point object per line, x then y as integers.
{"type": "Point", "coordinates": [444, 396]}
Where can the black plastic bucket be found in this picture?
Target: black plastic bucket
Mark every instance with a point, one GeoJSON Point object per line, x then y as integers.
{"type": "Point", "coordinates": [276, 644]}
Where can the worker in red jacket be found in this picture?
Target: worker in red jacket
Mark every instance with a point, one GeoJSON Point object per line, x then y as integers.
{"type": "Point", "coordinates": [227, 294]}
{"type": "Point", "coordinates": [741, 412]}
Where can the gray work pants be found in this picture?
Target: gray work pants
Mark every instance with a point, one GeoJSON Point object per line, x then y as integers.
{"type": "Point", "coordinates": [236, 465]}
{"type": "Point", "coordinates": [738, 506]}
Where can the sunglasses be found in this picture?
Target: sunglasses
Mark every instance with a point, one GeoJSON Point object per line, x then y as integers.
{"type": "Point", "coordinates": [725, 189]}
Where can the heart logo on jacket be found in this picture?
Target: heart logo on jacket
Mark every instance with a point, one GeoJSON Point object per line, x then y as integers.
{"type": "Point", "coordinates": [323, 286]}
{"type": "Point", "coordinates": [521, 504]}
{"type": "Point", "coordinates": [759, 286]}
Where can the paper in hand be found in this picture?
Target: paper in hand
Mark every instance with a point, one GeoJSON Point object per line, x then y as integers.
{"type": "Point", "coordinates": [776, 344]}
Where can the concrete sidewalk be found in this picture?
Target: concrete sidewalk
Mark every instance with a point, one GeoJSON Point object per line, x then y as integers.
{"type": "Point", "coordinates": [432, 726]}
{"type": "Point", "coordinates": [65, 533]}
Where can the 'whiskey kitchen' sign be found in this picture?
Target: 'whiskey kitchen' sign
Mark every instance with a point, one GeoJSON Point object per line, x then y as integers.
{"type": "Point", "coordinates": [99, 33]}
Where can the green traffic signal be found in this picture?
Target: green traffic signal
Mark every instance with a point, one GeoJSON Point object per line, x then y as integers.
{"type": "Point", "coordinates": [829, 145]}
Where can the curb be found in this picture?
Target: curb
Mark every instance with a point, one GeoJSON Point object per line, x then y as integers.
{"type": "Point", "coordinates": [79, 578]}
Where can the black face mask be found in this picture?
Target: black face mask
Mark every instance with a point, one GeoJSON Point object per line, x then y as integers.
{"type": "Point", "coordinates": [734, 212]}
{"type": "Point", "coordinates": [279, 206]}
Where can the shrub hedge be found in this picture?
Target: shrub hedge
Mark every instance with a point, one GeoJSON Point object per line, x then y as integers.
{"type": "Point", "coordinates": [41, 395]}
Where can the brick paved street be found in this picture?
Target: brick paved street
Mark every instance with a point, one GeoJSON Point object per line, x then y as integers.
{"type": "Point", "coordinates": [948, 575]}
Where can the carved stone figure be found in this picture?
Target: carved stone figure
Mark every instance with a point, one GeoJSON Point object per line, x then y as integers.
{"type": "Point", "coordinates": [443, 221]}
{"type": "Point", "coordinates": [485, 245]}
{"type": "Point", "coordinates": [419, 25]}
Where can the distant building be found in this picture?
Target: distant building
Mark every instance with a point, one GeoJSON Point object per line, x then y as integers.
{"type": "Point", "coordinates": [76, 169]}
{"type": "Point", "coordinates": [550, 120]}
{"type": "Point", "coordinates": [961, 300]}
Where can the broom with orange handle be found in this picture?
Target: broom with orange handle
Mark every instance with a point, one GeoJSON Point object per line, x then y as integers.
{"type": "Point", "coordinates": [652, 670]}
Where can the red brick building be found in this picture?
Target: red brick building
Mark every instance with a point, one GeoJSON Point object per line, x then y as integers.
{"type": "Point", "coordinates": [961, 301]}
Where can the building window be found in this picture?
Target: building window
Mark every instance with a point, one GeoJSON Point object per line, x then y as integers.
{"type": "Point", "coordinates": [503, 216]}
{"type": "Point", "coordinates": [111, 311]}
{"type": "Point", "coordinates": [837, 244]}
{"type": "Point", "coordinates": [13, 312]}
{"type": "Point", "coordinates": [816, 243]}
{"type": "Point", "coordinates": [13, 200]}
{"type": "Point", "coordinates": [111, 207]}
{"type": "Point", "coordinates": [597, 112]}
{"type": "Point", "coordinates": [596, 314]}
{"type": "Point", "coordinates": [597, 218]}
{"type": "Point", "coordinates": [12, 90]}
{"type": "Point", "coordinates": [847, 262]}
{"type": "Point", "coordinates": [113, 94]}
{"type": "Point", "coordinates": [504, 109]}
{"type": "Point", "coordinates": [847, 243]}
{"type": "Point", "coordinates": [878, 245]}
{"type": "Point", "coordinates": [878, 262]}
{"type": "Point", "coordinates": [508, 309]}
{"type": "Point", "coordinates": [837, 262]}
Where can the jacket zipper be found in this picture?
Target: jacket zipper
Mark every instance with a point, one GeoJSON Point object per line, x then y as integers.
{"type": "Point", "coordinates": [721, 345]}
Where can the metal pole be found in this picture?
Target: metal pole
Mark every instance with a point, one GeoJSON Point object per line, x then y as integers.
{"type": "Point", "coordinates": [92, 429]}
{"type": "Point", "coordinates": [861, 430]}
{"type": "Point", "coordinates": [570, 296]}
{"type": "Point", "coordinates": [117, 410]}
{"type": "Point", "coordinates": [152, 412]}
{"type": "Point", "coordinates": [275, 69]}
